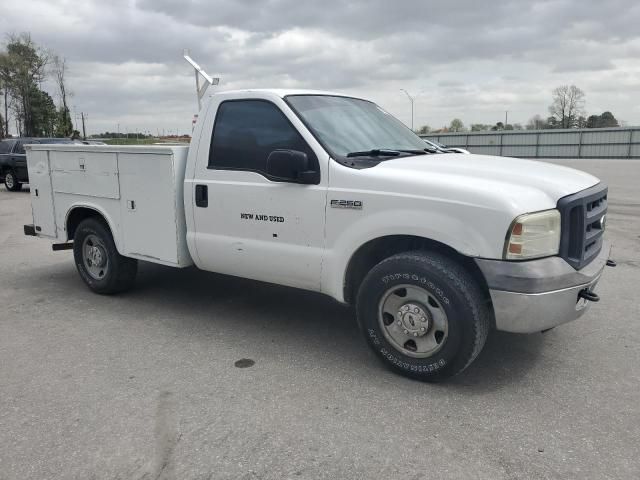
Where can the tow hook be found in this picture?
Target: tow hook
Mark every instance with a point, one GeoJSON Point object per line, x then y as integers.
{"type": "Point", "coordinates": [611, 263]}
{"type": "Point", "coordinates": [590, 296]}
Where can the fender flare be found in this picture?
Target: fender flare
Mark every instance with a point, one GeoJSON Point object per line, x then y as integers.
{"type": "Point", "coordinates": [107, 218]}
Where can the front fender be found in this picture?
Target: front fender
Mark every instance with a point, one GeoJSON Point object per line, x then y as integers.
{"type": "Point", "coordinates": [437, 226]}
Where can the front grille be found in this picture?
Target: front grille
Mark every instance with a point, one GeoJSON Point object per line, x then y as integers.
{"type": "Point", "coordinates": [582, 225]}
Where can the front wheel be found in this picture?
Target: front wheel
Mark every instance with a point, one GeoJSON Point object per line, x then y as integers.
{"type": "Point", "coordinates": [98, 262]}
{"type": "Point", "coordinates": [11, 182]}
{"type": "Point", "coordinates": [423, 315]}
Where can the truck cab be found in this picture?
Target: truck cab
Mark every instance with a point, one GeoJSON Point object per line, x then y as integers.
{"type": "Point", "coordinates": [330, 193]}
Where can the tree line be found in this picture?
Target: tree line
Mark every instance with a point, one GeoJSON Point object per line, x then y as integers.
{"type": "Point", "coordinates": [567, 110]}
{"type": "Point", "coordinates": [24, 66]}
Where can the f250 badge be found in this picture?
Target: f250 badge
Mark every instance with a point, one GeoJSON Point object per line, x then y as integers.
{"type": "Point", "coordinates": [353, 204]}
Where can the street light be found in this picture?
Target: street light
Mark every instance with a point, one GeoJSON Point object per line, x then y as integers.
{"type": "Point", "coordinates": [411, 99]}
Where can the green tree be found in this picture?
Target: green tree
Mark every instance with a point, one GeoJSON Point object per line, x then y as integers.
{"type": "Point", "coordinates": [26, 64]}
{"type": "Point", "coordinates": [43, 114]}
{"type": "Point", "coordinates": [424, 129]}
{"type": "Point", "coordinates": [456, 125]}
{"type": "Point", "coordinates": [606, 119]}
{"type": "Point", "coordinates": [593, 121]}
{"type": "Point", "coordinates": [552, 122]}
{"type": "Point", "coordinates": [64, 125]}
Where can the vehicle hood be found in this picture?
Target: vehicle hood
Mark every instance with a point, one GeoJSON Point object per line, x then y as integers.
{"type": "Point", "coordinates": [490, 175]}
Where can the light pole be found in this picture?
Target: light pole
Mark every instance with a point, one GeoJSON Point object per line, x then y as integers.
{"type": "Point", "coordinates": [411, 99]}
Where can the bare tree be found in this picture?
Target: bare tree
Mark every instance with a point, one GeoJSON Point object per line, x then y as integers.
{"type": "Point", "coordinates": [567, 106]}
{"type": "Point", "coordinates": [536, 123]}
{"type": "Point", "coordinates": [59, 69]}
{"type": "Point", "coordinates": [5, 84]}
{"type": "Point", "coordinates": [64, 126]}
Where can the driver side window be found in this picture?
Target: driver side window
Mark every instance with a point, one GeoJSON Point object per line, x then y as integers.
{"type": "Point", "coordinates": [247, 131]}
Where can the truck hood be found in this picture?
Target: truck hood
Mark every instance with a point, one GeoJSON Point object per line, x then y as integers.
{"type": "Point", "coordinates": [503, 176]}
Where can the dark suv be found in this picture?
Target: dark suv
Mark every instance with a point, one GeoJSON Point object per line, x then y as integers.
{"type": "Point", "coordinates": [13, 160]}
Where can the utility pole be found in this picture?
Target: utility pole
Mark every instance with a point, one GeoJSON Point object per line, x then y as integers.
{"type": "Point", "coordinates": [506, 117]}
{"type": "Point", "coordinates": [411, 99]}
{"type": "Point", "coordinates": [84, 131]}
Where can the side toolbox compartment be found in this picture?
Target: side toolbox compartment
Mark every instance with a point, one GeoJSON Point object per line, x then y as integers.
{"type": "Point", "coordinates": [87, 173]}
{"type": "Point", "coordinates": [42, 205]}
{"type": "Point", "coordinates": [152, 212]}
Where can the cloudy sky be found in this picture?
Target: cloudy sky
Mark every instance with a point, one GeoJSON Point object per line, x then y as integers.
{"type": "Point", "coordinates": [466, 59]}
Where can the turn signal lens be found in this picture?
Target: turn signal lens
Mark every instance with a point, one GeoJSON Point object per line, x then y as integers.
{"type": "Point", "coordinates": [534, 235]}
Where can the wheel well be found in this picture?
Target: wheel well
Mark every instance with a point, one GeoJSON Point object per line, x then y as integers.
{"type": "Point", "coordinates": [77, 215]}
{"type": "Point", "coordinates": [374, 251]}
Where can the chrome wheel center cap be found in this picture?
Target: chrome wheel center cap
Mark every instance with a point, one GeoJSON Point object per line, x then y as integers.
{"type": "Point", "coordinates": [96, 257]}
{"type": "Point", "coordinates": [414, 319]}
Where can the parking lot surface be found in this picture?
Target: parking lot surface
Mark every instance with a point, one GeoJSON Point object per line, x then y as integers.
{"type": "Point", "coordinates": [144, 385]}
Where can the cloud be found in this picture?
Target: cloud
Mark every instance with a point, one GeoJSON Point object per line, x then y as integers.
{"type": "Point", "coordinates": [463, 59]}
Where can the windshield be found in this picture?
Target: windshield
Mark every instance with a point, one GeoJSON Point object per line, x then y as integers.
{"type": "Point", "coordinates": [346, 125]}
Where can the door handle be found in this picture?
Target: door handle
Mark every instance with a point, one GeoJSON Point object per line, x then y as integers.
{"type": "Point", "coordinates": [202, 196]}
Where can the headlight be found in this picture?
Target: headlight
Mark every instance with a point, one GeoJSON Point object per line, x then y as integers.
{"type": "Point", "coordinates": [533, 235]}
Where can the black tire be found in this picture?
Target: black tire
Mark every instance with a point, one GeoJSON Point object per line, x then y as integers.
{"type": "Point", "coordinates": [11, 181]}
{"type": "Point", "coordinates": [449, 287]}
{"type": "Point", "coordinates": [119, 272]}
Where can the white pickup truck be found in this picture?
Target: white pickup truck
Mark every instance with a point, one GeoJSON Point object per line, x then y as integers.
{"type": "Point", "coordinates": [330, 193]}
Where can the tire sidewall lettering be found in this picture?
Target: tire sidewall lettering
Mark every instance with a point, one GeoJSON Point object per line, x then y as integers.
{"type": "Point", "coordinates": [388, 279]}
{"type": "Point", "coordinates": [432, 367]}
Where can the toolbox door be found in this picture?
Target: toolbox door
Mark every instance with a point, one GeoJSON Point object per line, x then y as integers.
{"type": "Point", "coordinates": [42, 208]}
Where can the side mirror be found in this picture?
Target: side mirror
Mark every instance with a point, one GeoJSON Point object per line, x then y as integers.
{"type": "Point", "coordinates": [290, 166]}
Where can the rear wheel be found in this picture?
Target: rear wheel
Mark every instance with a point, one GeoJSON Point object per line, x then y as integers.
{"type": "Point", "coordinates": [423, 315]}
{"type": "Point", "coordinates": [98, 262]}
{"type": "Point", "coordinates": [11, 181]}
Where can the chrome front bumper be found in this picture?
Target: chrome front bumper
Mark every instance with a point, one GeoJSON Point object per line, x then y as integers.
{"type": "Point", "coordinates": [540, 294]}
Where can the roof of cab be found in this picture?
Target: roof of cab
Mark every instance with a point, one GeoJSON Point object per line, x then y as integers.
{"type": "Point", "coordinates": [283, 92]}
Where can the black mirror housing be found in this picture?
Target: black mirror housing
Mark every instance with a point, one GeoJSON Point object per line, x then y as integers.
{"type": "Point", "coordinates": [290, 166]}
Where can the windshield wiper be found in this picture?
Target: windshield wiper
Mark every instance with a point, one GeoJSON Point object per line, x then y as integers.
{"type": "Point", "coordinates": [376, 152]}
{"type": "Point", "coordinates": [423, 151]}
{"type": "Point", "coordinates": [388, 152]}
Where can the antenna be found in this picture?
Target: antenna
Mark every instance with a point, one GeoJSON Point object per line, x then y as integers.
{"type": "Point", "coordinates": [200, 90]}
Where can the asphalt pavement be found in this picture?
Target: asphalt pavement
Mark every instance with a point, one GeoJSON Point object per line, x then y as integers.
{"type": "Point", "coordinates": [194, 375]}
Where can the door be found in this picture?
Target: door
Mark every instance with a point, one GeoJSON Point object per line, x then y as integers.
{"type": "Point", "coordinates": [42, 200]}
{"type": "Point", "coordinates": [248, 223]}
